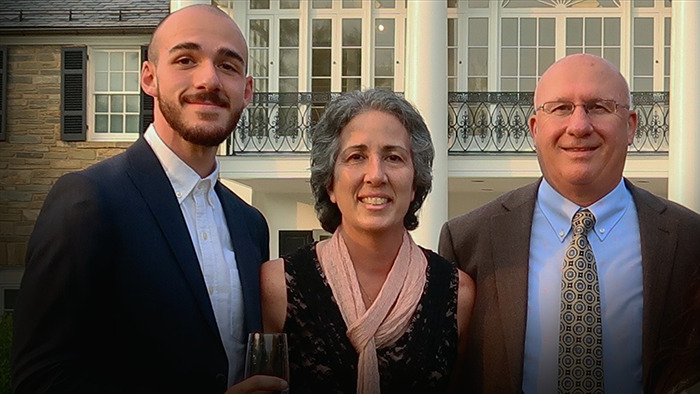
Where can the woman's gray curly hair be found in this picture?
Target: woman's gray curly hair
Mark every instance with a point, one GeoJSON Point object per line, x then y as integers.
{"type": "Point", "coordinates": [325, 144]}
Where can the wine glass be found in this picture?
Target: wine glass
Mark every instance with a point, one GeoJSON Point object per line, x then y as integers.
{"type": "Point", "coordinates": [267, 354]}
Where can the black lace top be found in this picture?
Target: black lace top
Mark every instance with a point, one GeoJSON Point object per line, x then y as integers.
{"type": "Point", "coordinates": [321, 357]}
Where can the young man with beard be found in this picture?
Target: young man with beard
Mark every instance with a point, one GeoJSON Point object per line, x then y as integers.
{"type": "Point", "coordinates": [142, 270]}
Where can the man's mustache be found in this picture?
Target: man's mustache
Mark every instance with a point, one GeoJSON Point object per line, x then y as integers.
{"type": "Point", "coordinates": [215, 98]}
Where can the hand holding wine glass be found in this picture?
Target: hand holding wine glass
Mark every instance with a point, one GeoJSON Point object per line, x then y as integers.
{"type": "Point", "coordinates": [267, 354]}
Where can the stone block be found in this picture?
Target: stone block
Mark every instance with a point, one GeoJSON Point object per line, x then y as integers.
{"type": "Point", "coordinates": [14, 195]}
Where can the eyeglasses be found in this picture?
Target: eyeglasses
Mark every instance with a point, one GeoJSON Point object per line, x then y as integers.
{"type": "Point", "coordinates": [592, 108]}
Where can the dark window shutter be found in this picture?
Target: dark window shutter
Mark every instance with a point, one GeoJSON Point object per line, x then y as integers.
{"type": "Point", "coordinates": [146, 116]}
{"type": "Point", "coordinates": [3, 92]}
{"type": "Point", "coordinates": [73, 76]}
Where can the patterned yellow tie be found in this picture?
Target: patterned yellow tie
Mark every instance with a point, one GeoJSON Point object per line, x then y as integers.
{"type": "Point", "coordinates": [580, 328]}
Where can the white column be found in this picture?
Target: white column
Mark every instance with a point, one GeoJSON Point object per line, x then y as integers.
{"type": "Point", "coordinates": [177, 4]}
{"type": "Point", "coordinates": [426, 88]}
{"type": "Point", "coordinates": [684, 117]}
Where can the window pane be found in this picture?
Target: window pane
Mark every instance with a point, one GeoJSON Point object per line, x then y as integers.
{"type": "Point", "coordinates": [321, 85]}
{"type": "Point", "coordinates": [116, 124]}
{"type": "Point", "coordinates": [643, 31]}
{"type": "Point", "coordinates": [528, 31]}
{"type": "Point", "coordinates": [509, 62]}
{"type": "Point", "coordinates": [289, 84]}
{"type": "Point", "coordinates": [116, 81]}
{"type": "Point", "coordinates": [352, 32]}
{"type": "Point", "coordinates": [321, 62]}
{"type": "Point", "coordinates": [384, 4]}
{"type": "Point", "coordinates": [451, 3]}
{"type": "Point", "coordinates": [132, 123]}
{"type": "Point", "coordinates": [384, 83]}
{"type": "Point", "coordinates": [351, 84]}
{"type": "Point", "coordinates": [527, 84]}
{"type": "Point", "coordinates": [612, 55]}
{"type": "Point", "coordinates": [116, 103]}
{"type": "Point", "coordinates": [643, 3]}
{"type": "Point", "coordinates": [289, 4]}
{"type": "Point", "coordinates": [509, 31]}
{"type": "Point", "coordinates": [352, 3]}
{"type": "Point", "coordinates": [289, 32]}
{"type": "Point", "coordinates": [546, 60]}
{"type": "Point", "coordinates": [528, 61]}
{"type": "Point", "coordinates": [258, 64]}
{"type": "Point", "coordinates": [384, 35]}
{"type": "Point", "coordinates": [509, 84]}
{"type": "Point", "coordinates": [667, 61]}
{"type": "Point", "coordinates": [259, 33]}
{"type": "Point", "coordinates": [479, 32]}
{"type": "Point", "coordinates": [101, 103]}
{"type": "Point", "coordinates": [259, 4]}
{"type": "Point", "coordinates": [101, 81]}
{"type": "Point", "coordinates": [643, 61]}
{"type": "Point", "coordinates": [593, 31]}
{"type": "Point", "coordinates": [572, 50]}
{"type": "Point", "coordinates": [574, 32]}
{"type": "Point", "coordinates": [612, 31]}
{"type": "Point", "coordinates": [452, 61]}
{"type": "Point", "coordinates": [116, 61]}
{"type": "Point", "coordinates": [547, 32]}
{"type": "Point", "coordinates": [132, 61]}
{"type": "Point", "coordinates": [352, 62]}
{"type": "Point", "coordinates": [477, 84]}
{"type": "Point", "coordinates": [101, 61]}
{"type": "Point", "coordinates": [667, 31]}
{"type": "Point", "coordinates": [132, 103]}
{"type": "Point", "coordinates": [478, 64]}
{"type": "Point", "coordinates": [594, 51]}
{"type": "Point", "coordinates": [316, 4]}
{"type": "Point", "coordinates": [260, 85]}
{"type": "Point", "coordinates": [451, 84]}
{"type": "Point", "coordinates": [321, 35]}
{"type": "Point", "coordinates": [101, 123]}
{"type": "Point", "coordinates": [132, 82]}
{"type": "Point", "coordinates": [384, 62]}
{"type": "Point", "coordinates": [289, 62]}
{"type": "Point", "coordinates": [642, 84]}
{"type": "Point", "coordinates": [452, 32]}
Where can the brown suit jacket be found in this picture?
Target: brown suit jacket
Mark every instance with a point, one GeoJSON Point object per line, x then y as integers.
{"type": "Point", "coordinates": [492, 245]}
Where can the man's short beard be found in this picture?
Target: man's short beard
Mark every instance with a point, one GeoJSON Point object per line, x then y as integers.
{"type": "Point", "coordinates": [198, 135]}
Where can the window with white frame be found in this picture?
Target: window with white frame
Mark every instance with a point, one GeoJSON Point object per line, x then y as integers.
{"type": "Point", "coordinates": [115, 93]}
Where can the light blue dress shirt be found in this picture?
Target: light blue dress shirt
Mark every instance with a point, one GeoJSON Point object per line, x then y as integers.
{"type": "Point", "coordinates": [617, 248]}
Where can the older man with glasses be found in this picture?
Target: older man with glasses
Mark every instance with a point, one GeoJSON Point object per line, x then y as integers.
{"type": "Point", "coordinates": [577, 273]}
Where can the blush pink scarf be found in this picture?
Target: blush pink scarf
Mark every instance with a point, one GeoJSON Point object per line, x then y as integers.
{"type": "Point", "coordinates": [390, 314]}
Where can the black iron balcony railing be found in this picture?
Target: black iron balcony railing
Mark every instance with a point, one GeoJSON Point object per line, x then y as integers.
{"type": "Point", "coordinates": [478, 122]}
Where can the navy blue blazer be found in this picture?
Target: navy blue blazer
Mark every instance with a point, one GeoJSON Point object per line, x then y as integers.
{"type": "Point", "coordinates": [113, 298]}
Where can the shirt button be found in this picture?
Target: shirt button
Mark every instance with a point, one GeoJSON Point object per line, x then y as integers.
{"type": "Point", "coordinates": [178, 194]}
{"type": "Point", "coordinates": [204, 236]}
{"type": "Point", "coordinates": [561, 233]}
{"type": "Point", "coordinates": [602, 231]}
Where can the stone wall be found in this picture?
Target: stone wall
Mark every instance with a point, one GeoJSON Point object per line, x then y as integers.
{"type": "Point", "coordinates": [33, 156]}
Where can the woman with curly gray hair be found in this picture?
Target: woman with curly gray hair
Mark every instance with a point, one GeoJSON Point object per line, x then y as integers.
{"type": "Point", "coordinates": [368, 310]}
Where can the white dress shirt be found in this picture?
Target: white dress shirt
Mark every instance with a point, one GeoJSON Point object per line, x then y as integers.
{"type": "Point", "coordinates": [208, 230]}
{"type": "Point", "coordinates": [617, 249]}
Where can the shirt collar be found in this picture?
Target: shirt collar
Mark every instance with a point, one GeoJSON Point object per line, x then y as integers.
{"type": "Point", "coordinates": [559, 211]}
{"type": "Point", "coordinates": [182, 177]}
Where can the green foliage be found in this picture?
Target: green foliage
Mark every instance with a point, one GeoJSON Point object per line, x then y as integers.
{"type": "Point", "coordinates": [5, 344]}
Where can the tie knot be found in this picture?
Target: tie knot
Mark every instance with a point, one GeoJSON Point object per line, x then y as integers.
{"type": "Point", "coordinates": [583, 221]}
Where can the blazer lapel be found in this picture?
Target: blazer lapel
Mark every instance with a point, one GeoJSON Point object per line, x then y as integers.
{"type": "Point", "coordinates": [510, 235]}
{"type": "Point", "coordinates": [247, 260]}
{"type": "Point", "coordinates": [658, 239]}
{"type": "Point", "coordinates": [149, 178]}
